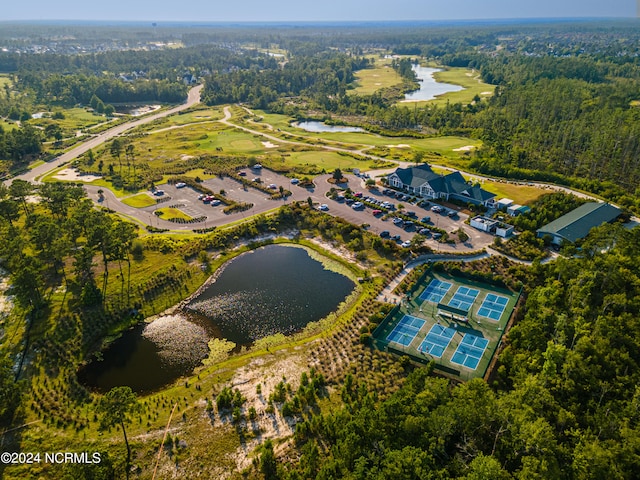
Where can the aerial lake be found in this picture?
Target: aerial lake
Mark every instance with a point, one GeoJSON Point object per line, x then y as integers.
{"type": "Point", "coordinates": [274, 289]}
{"type": "Point", "coordinates": [429, 88]}
{"type": "Point", "coordinates": [320, 127]}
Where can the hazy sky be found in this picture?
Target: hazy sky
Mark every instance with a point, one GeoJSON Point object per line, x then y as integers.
{"type": "Point", "coordinates": [316, 10]}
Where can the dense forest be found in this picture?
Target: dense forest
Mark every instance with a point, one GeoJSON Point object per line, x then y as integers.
{"type": "Point", "coordinates": [563, 404]}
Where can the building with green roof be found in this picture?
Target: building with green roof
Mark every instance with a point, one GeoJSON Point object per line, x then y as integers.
{"type": "Point", "coordinates": [576, 224]}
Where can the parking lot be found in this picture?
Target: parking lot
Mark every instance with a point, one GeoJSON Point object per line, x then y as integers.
{"type": "Point", "coordinates": [186, 199]}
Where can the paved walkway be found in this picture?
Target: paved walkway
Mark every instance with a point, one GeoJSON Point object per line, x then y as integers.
{"type": "Point", "coordinates": [387, 294]}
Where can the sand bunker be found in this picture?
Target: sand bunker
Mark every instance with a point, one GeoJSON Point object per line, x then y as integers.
{"type": "Point", "coordinates": [486, 93]}
{"type": "Point", "coordinates": [400, 145]}
{"type": "Point", "coordinates": [269, 145]}
{"type": "Point", "coordinates": [466, 148]}
{"type": "Point", "coordinates": [72, 175]}
{"type": "Point", "coordinates": [186, 157]}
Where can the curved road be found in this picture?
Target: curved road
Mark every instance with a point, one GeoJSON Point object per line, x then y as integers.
{"type": "Point", "coordinates": [33, 175]}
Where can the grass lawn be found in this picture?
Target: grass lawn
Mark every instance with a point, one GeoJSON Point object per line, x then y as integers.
{"type": "Point", "coordinates": [140, 200]}
{"type": "Point", "coordinates": [168, 213]}
{"type": "Point", "coordinates": [75, 119]}
{"type": "Point", "coordinates": [314, 162]}
{"type": "Point", "coordinates": [191, 116]}
{"type": "Point", "coordinates": [159, 148]}
{"type": "Point", "coordinates": [7, 125]}
{"type": "Point", "coordinates": [522, 194]}
{"type": "Point", "coordinates": [469, 79]}
{"type": "Point", "coordinates": [380, 76]}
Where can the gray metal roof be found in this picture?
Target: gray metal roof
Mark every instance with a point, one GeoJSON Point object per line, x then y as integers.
{"type": "Point", "coordinates": [452, 183]}
{"type": "Point", "coordinates": [577, 223]}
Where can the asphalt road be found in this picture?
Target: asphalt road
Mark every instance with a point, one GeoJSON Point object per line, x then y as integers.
{"type": "Point", "coordinates": [34, 174]}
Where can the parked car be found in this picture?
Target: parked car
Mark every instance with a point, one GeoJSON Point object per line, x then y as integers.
{"type": "Point", "coordinates": [376, 212]}
{"type": "Point", "coordinates": [436, 208]}
{"type": "Point", "coordinates": [242, 173]}
{"type": "Point", "coordinates": [452, 214]}
{"type": "Point", "coordinates": [405, 244]}
{"type": "Point", "coordinates": [384, 234]}
{"type": "Point", "coordinates": [408, 224]}
{"type": "Point", "coordinates": [215, 203]}
{"type": "Point", "coordinates": [272, 186]}
{"type": "Point", "coordinates": [437, 235]}
{"type": "Point", "coordinates": [257, 166]}
{"type": "Point", "coordinates": [324, 207]}
{"type": "Point", "coordinates": [339, 198]}
{"type": "Point", "coordinates": [349, 201]}
{"type": "Point", "coordinates": [256, 180]}
{"type": "Point", "coordinates": [424, 231]}
{"type": "Point", "coordinates": [181, 185]}
{"type": "Point", "coordinates": [410, 214]}
{"type": "Point", "coordinates": [357, 205]}
{"type": "Point", "coordinates": [397, 221]}
{"type": "Point", "coordinates": [295, 181]}
{"type": "Point", "coordinates": [358, 194]}
{"type": "Point", "coordinates": [395, 237]}
{"type": "Point", "coordinates": [425, 219]}
{"type": "Point", "coordinates": [158, 193]}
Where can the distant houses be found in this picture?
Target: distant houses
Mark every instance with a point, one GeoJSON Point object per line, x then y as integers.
{"type": "Point", "coordinates": [576, 224]}
{"type": "Point", "coordinates": [422, 181]}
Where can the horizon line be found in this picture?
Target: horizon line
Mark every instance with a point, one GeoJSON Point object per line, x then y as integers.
{"type": "Point", "coordinates": [196, 22]}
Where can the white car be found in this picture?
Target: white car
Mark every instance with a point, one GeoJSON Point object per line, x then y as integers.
{"type": "Point", "coordinates": [272, 186]}
{"type": "Point", "coordinates": [405, 244]}
{"type": "Point", "coordinates": [181, 185]}
{"type": "Point", "coordinates": [295, 181]}
{"type": "Point", "coordinates": [324, 207]}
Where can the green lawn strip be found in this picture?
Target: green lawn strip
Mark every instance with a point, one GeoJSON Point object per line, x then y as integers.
{"type": "Point", "coordinates": [168, 213]}
{"type": "Point", "coordinates": [140, 200]}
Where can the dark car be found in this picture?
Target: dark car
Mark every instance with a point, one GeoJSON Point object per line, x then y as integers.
{"type": "Point", "coordinates": [411, 214]}
{"type": "Point", "coordinates": [395, 237]}
{"type": "Point", "coordinates": [408, 225]}
{"type": "Point", "coordinates": [425, 219]}
{"type": "Point", "coordinates": [384, 234]}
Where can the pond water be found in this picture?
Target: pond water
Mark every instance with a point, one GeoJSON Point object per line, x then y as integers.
{"type": "Point", "coordinates": [429, 88]}
{"type": "Point", "coordinates": [274, 289]}
{"type": "Point", "coordinates": [319, 127]}
{"type": "Point", "coordinates": [136, 110]}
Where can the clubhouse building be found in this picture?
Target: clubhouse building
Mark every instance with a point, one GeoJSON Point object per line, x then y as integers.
{"type": "Point", "coordinates": [424, 182]}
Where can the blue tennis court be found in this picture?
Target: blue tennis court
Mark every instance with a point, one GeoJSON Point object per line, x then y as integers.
{"type": "Point", "coordinates": [406, 330]}
{"type": "Point", "coordinates": [493, 306]}
{"type": "Point", "coordinates": [435, 291]}
{"type": "Point", "coordinates": [470, 351]}
{"type": "Point", "coordinates": [464, 298]}
{"type": "Point", "coordinates": [437, 340]}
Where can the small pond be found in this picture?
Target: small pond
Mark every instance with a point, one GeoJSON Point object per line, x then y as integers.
{"type": "Point", "coordinates": [429, 87]}
{"type": "Point", "coordinates": [274, 289]}
{"type": "Point", "coordinates": [320, 127]}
